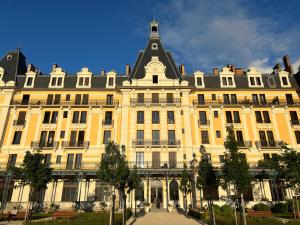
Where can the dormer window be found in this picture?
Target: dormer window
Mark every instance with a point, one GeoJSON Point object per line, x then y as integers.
{"type": "Point", "coordinates": [155, 79]}
{"type": "Point", "coordinates": [227, 82]}
{"type": "Point", "coordinates": [227, 78]}
{"type": "Point", "coordinates": [57, 77]}
{"type": "Point", "coordinates": [29, 81]}
{"type": "Point", "coordinates": [84, 78]}
{"type": "Point", "coordinates": [284, 79]}
{"type": "Point", "coordinates": [56, 82]}
{"type": "Point", "coordinates": [254, 78]}
{"type": "Point", "coordinates": [30, 76]}
{"type": "Point", "coordinates": [111, 81]}
{"type": "Point", "coordinates": [154, 46]}
{"type": "Point", "coordinates": [199, 79]}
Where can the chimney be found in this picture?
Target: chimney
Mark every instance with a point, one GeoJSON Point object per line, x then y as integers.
{"type": "Point", "coordinates": [102, 73]}
{"type": "Point", "coordinates": [29, 67]}
{"type": "Point", "coordinates": [287, 64]}
{"type": "Point", "coordinates": [128, 70]}
{"type": "Point", "coordinates": [215, 71]}
{"type": "Point", "coordinates": [54, 66]}
{"type": "Point", "coordinates": [182, 69]}
{"type": "Point", "coordinates": [239, 71]}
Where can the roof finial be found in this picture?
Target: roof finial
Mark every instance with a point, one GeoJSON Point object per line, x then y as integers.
{"type": "Point", "coordinates": [154, 29]}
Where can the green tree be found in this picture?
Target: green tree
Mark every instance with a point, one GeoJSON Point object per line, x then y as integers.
{"type": "Point", "coordinates": [235, 169]}
{"type": "Point", "coordinates": [34, 173]}
{"type": "Point", "coordinates": [290, 161]}
{"type": "Point", "coordinates": [114, 170]}
{"type": "Point", "coordinates": [185, 185]}
{"type": "Point", "coordinates": [207, 180]}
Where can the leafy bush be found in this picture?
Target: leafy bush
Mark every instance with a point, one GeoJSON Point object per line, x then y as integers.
{"type": "Point", "coordinates": [37, 216]}
{"type": "Point", "coordinates": [279, 208]}
{"type": "Point", "coordinates": [128, 213]}
{"type": "Point", "coordinates": [263, 221]}
{"type": "Point", "coordinates": [217, 209]}
{"type": "Point", "coordinates": [290, 205]}
{"type": "Point", "coordinates": [195, 214]}
{"type": "Point", "coordinates": [2, 217]}
{"type": "Point", "coordinates": [293, 223]}
{"type": "Point", "coordinates": [227, 210]}
{"type": "Point", "coordinates": [261, 207]}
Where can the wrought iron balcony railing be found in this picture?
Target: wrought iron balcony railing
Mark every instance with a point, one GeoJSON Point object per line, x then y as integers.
{"type": "Point", "coordinates": [75, 144]}
{"type": "Point", "coordinates": [153, 102]}
{"type": "Point", "coordinates": [155, 143]}
{"type": "Point", "coordinates": [281, 102]}
{"type": "Point", "coordinates": [107, 122]}
{"type": "Point", "coordinates": [244, 144]}
{"type": "Point", "coordinates": [37, 102]}
{"type": "Point", "coordinates": [269, 144]}
{"type": "Point", "coordinates": [203, 123]}
{"type": "Point", "coordinates": [46, 144]}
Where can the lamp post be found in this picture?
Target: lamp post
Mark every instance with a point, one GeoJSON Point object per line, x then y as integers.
{"type": "Point", "coordinates": [194, 164]}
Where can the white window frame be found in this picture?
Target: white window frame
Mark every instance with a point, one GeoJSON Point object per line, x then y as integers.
{"type": "Point", "coordinates": [111, 74]}
{"type": "Point", "coordinates": [286, 75]}
{"type": "Point", "coordinates": [84, 74]}
{"type": "Point", "coordinates": [253, 73]}
{"type": "Point", "coordinates": [57, 73]}
{"type": "Point", "coordinates": [226, 73]}
{"type": "Point", "coordinates": [199, 74]}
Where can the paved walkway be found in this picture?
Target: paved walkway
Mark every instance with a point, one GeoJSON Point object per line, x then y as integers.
{"type": "Point", "coordinates": [17, 222]}
{"type": "Point", "coordinates": [164, 218]}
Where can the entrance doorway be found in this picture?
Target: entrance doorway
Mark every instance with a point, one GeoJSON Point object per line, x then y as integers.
{"type": "Point", "coordinates": [156, 193]}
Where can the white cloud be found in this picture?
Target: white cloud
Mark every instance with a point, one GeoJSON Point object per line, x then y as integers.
{"type": "Point", "coordinates": [262, 65]}
{"type": "Point", "coordinates": [296, 65]}
{"type": "Point", "coordinates": [206, 34]}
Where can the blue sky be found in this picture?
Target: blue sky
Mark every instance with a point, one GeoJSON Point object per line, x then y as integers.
{"type": "Point", "coordinates": [202, 34]}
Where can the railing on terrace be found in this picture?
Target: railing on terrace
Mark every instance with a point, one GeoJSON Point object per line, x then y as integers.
{"type": "Point", "coordinates": [152, 102]}
{"type": "Point", "coordinates": [245, 103]}
{"type": "Point", "coordinates": [65, 103]}
{"type": "Point", "coordinates": [75, 144]}
{"type": "Point", "coordinates": [46, 144]}
{"type": "Point", "coordinates": [153, 143]}
{"type": "Point", "coordinates": [203, 123]}
{"type": "Point", "coordinates": [269, 144]}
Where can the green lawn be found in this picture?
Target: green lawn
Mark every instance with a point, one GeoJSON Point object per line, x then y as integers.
{"type": "Point", "coordinates": [89, 218]}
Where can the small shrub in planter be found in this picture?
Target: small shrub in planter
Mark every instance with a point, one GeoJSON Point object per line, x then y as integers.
{"type": "Point", "coordinates": [261, 207]}
{"type": "Point", "coordinates": [279, 208]}
{"type": "Point", "coordinates": [227, 210]}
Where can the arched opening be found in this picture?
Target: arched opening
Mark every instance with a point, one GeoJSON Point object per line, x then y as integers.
{"type": "Point", "coordinates": [154, 29]}
{"type": "Point", "coordinates": [156, 193]}
{"type": "Point", "coordinates": [174, 194]}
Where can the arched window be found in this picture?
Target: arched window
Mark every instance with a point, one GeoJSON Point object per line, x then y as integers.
{"type": "Point", "coordinates": [174, 190]}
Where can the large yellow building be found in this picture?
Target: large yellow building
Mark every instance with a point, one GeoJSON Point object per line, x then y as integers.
{"type": "Point", "coordinates": [161, 114]}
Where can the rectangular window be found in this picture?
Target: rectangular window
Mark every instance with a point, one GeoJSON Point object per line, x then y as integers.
{"type": "Point", "coordinates": [202, 118]}
{"type": "Point", "coordinates": [109, 99]}
{"type": "Point", "coordinates": [77, 99]}
{"type": "Point", "coordinates": [172, 159]}
{"type": "Point", "coordinates": [218, 134]}
{"type": "Point", "coordinates": [49, 99]}
{"type": "Point", "coordinates": [53, 81]}
{"type": "Point", "coordinates": [289, 99]}
{"type": "Point", "coordinates": [255, 99]}
{"type": "Point", "coordinates": [284, 81]}
{"type": "Point", "coordinates": [294, 117]}
{"type": "Point", "coordinates": [59, 81]}
{"type": "Point", "coordinates": [50, 138]}
{"type": "Point", "coordinates": [155, 98]}
{"type": "Point", "coordinates": [233, 99]}
{"type": "Point", "coordinates": [85, 99]}
{"type": "Point", "coordinates": [43, 139]}
{"type": "Point", "coordinates": [155, 137]}
{"type": "Point", "coordinates": [239, 138]}
{"type": "Point", "coordinates": [21, 118]}
{"type": "Point", "coordinates": [57, 99]}
{"type": "Point", "coordinates": [47, 117]}
{"type": "Point", "coordinates": [140, 159]}
{"type": "Point", "coordinates": [25, 99]}
{"type": "Point", "coordinates": [263, 138]}
{"type": "Point", "coordinates": [170, 98]}
{"type": "Point", "coordinates": [228, 117]}
{"type": "Point", "coordinates": [83, 117]}
{"type": "Point", "coordinates": [236, 117]}
{"type": "Point", "coordinates": [47, 159]}
{"type": "Point", "coordinates": [258, 81]}
{"type": "Point", "coordinates": [204, 137]}
{"type": "Point", "coordinates": [73, 138]}
{"type": "Point", "coordinates": [230, 81]}
{"type": "Point", "coordinates": [87, 81]}
{"type": "Point", "coordinates": [262, 99]}
{"type": "Point", "coordinates": [80, 81]}
{"type": "Point", "coordinates": [201, 100]}
{"type": "Point", "coordinates": [266, 117]}
{"type": "Point", "coordinates": [62, 134]}
{"type": "Point", "coordinates": [171, 137]}
{"type": "Point", "coordinates": [216, 114]}
{"type": "Point", "coordinates": [270, 138]}
{"type": "Point", "coordinates": [68, 97]}
{"type": "Point", "coordinates": [155, 79]}
{"type": "Point", "coordinates": [213, 97]}
{"type": "Point", "coordinates": [54, 117]}
{"type": "Point", "coordinates": [199, 81]}
{"type": "Point", "coordinates": [70, 161]}
{"type": "Point", "coordinates": [226, 98]}
{"type": "Point", "coordinates": [108, 118]}
{"type": "Point", "coordinates": [140, 97]}
{"type": "Point", "coordinates": [111, 81]}
{"type": "Point", "coordinates": [12, 158]}
{"type": "Point", "coordinates": [75, 117]}
{"type": "Point", "coordinates": [171, 118]}
{"type": "Point", "coordinates": [29, 81]}
{"type": "Point", "coordinates": [252, 81]}
{"type": "Point", "coordinates": [156, 159]}
{"type": "Point", "coordinates": [17, 137]}
{"type": "Point", "coordinates": [140, 117]}
{"type": "Point", "coordinates": [78, 161]}
{"type": "Point", "coordinates": [65, 114]}
{"type": "Point", "coordinates": [81, 138]}
{"type": "Point", "coordinates": [258, 117]}
{"type": "Point", "coordinates": [224, 81]}
{"type": "Point", "coordinates": [107, 137]}
{"type": "Point", "coordinates": [297, 135]}
{"type": "Point", "coordinates": [155, 117]}
{"type": "Point", "coordinates": [140, 137]}
{"type": "Point", "coordinates": [58, 159]}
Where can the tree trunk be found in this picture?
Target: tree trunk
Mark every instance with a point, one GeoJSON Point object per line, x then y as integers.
{"type": "Point", "coordinates": [297, 205]}
{"type": "Point", "coordinates": [124, 208]}
{"type": "Point", "coordinates": [235, 216]}
{"type": "Point", "coordinates": [28, 211]}
{"type": "Point", "coordinates": [294, 208]}
{"type": "Point", "coordinates": [213, 213]}
{"type": "Point", "coordinates": [243, 209]}
{"type": "Point", "coordinates": [112, 217]}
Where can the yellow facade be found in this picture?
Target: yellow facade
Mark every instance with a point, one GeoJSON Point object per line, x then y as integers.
{"type": "Point", "coordinates": [162, 121]}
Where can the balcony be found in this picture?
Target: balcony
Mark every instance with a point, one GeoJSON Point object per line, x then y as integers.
{"type": "Point", "coordinates": [19, 123]}
{"type": "Point", "coordinates": [156, 102]}
{"type": "Point", "coordinates": [44, 103]}
{"type": "Point", "coordinates": [245, 103]}
{"type": "Point", "coordinates": [157, 164]}
{"type": "Point", "coordinates": [43, 145]}
{"type": "Point", "coordinates": [139, 143]}
{"type": "Point", "coordinates": [244, 144]}
{"type": "Point", "coordinates": [269, 144]}
{"type": "Point", "coordinates": [75, 144]}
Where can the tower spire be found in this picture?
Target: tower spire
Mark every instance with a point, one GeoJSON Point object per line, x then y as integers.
{"type": "Point", "coordinates": [154, 25]}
